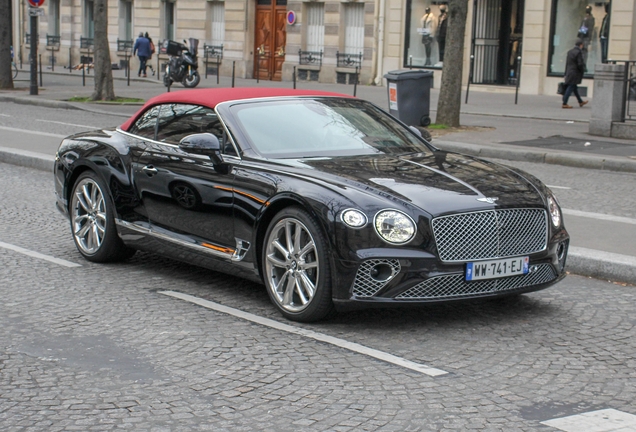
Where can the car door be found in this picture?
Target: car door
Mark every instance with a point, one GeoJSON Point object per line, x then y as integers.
{"type": "Point", "coordinates": [184, 194]}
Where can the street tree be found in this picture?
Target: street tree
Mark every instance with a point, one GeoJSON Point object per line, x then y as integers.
{"type": "Point", "coordinates": [6, 74]}
{"type": "Point", "coordinates": [450, 93]}
{"type": "Point", "coordinates": [104, 89]}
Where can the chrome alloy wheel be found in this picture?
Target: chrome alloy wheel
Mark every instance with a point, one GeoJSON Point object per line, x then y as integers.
{"type": "Point", "coordinates": [292, 266]}
{"type": "Point", "coordinates": [89, 216]}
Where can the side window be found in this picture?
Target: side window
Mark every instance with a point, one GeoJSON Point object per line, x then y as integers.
{"type": "Point", "coordinates": [145, 125]}
{"type": "Point", "coordinates": [176, 121]}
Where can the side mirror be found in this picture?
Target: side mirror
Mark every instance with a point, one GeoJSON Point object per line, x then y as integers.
{"type": "Point", "coordinates": [204, 144]}
{"type": "Point", "coordinates": [416, 131]}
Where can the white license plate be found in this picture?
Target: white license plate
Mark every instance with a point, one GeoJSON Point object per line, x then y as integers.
{"type": "Point", "coordinates": [497, 268]}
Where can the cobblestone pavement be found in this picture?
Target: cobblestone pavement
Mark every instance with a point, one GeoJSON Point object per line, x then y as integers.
{"type": "Point", "coordinates": [98, 348]}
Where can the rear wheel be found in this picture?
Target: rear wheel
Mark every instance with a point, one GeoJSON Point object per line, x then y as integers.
{"type": "Point", "coordinates": [296, 266]}
{"type": "Point", "coordinates": [93, 223]}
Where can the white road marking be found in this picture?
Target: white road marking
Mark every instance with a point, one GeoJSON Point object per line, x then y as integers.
{"type": "Point", "coordinates": [606, 420]}
{"type": "Point", "coordinates": [32, 132]}
{"type": "Point", "coordinates": [38, 255]}
{"type": "Point", "coordinates": [599, 216]}
{"type": "Point", "coordinates": [558, 187]}
{"type": "Point", "coordinates": [351, 346]}
{"type": "Point", "coordinates": [68, 124]}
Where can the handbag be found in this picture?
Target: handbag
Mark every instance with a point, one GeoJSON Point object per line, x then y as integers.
{"type": "Point", "coordinates": [561, 88]}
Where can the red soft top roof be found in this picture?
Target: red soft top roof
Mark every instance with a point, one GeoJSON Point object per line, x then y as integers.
{"type": "Point", "coordinates": [214, 96]}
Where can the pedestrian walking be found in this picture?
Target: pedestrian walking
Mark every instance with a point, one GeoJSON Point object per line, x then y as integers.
{"type": "Point", "coordinates": [142, 49]}
{"type": "Point", "coordinates": [152, 51]}
{"type": "Point", "coordinates": [574, 70]}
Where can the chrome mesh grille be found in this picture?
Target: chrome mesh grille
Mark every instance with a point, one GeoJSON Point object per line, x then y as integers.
{"type": "Point", "coordinates": [454, 286]}
{"type": "Point", "coordinates": [365, 285]}
{"type": "Point", "coordinates": [490, 234]}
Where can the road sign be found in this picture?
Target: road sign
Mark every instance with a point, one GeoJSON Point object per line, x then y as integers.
{"type": "Point", "coordinates": [36, 3]}
{"type": "Point", "coordinates": [36, 12]}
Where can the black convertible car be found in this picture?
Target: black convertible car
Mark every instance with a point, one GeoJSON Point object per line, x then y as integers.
{"type": "Point", "coordinates": [327, 199]}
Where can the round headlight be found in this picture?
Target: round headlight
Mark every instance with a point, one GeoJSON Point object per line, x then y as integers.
{"type": "Point", "coordinates": [394, 226]}
{"type": "Point", "coordinates": [354, 218]}
{"type": "Point", "coordinates": [555, 211]}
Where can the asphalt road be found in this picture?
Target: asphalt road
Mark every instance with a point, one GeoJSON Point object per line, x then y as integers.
{"type": "Point", "coordinates": [102, 347]}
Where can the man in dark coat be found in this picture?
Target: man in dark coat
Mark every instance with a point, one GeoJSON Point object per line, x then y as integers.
{"type": "Point", "coordinates": [574, 70]}
{"type": "Point", "coordinates": [142, 49]}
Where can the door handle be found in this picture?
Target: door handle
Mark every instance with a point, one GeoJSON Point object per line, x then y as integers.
{"type": "Point", "coordinates": [150, 170]}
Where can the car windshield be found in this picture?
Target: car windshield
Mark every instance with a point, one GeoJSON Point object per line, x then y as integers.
{"type": "Point", "coordinates": [297, 128]}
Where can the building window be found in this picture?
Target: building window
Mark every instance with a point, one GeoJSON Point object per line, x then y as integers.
{"type": "Point", "coordinates": [89, 22]}
{"type": "Point", "coordinates": [315, 26]}
{"type": "Point", "coordinates": [354, 28]}
{"type": "Point", "coordinates": [167, 20]}
{"type": "Point", "coordinates": [578, 19]}
{"type": "Point", "coordinates": [426, 24]}
{"type": "Point", "coordinates": [216, 22]}
{"type": "Point", "coordinates": [54, 18]}
{"type": "Point", "coordinates": [125, 20]}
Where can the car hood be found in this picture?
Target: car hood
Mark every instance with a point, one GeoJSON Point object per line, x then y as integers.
{"type": "Point", "coordinates": [438, 182]}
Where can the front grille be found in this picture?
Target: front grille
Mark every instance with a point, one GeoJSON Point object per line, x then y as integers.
{"type": "Point", "coordinates": [490, 234]}
{"type": "Point", "coordinates": [365, 285]}
{"type": "Point", "coordinates": [455, 286]}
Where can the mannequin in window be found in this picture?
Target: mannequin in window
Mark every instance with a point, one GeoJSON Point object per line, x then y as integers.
{"type": "Point", "coordinates": [585, 30]}
{"type": "Point", "coordinates": [604, 33]}
{"type": "Point", "coordinates": [441, 31]}
{"type": "Point", "coordinates": [427, 29]}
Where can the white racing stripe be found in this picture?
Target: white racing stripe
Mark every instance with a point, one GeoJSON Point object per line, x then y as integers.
{"type": "Point", "coordinates": [351, 346]}
{"type": "Point", "coordinates": [38, 255]}
{"type": "Point", "coordinates": [32, 132]}
{"type": "Point", "coordinates": [599, 216]}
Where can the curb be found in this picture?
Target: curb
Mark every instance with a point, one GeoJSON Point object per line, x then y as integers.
{"type": "Point", "coordinates": [52, 103]}
{"type": "Point", "coordinates": [27, 158]}
{"type": "Point", "coordinates": [508, 152]}
{"type": "Point", "coordinates": [602, 265]}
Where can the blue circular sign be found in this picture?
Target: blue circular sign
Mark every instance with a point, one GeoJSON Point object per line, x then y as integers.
{"type": "Point", "coordinates": [291, 17]}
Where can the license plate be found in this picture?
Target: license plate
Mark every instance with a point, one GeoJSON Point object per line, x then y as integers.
{"type": "Point", "coordinates": [497, 268]}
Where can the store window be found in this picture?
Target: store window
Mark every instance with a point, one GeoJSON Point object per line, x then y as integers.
{"type": "Point", "coordinates": [427, 22]}
{"type": "Point", "coordinates": [579, 19]}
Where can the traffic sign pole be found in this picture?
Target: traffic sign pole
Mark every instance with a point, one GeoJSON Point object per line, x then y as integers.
{"type": "Point", "coordinates": [33, 57]}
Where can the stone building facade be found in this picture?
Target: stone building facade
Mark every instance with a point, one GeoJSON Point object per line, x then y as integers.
{"type": "Point", "coordinates": [508, 42]}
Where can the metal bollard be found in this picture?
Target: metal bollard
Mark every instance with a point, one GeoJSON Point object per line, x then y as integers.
{"type": "Point", "coordinates": [40, 58]}
{"type": "Point", "coordinates": [294, 77]}
{"type": "Point", "coordinates": [233, 69]}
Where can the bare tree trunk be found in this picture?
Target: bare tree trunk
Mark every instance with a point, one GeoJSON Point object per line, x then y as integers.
{"type": "Point", "coordinates": [6, 74]}
{"type": "Point", "coordinates": [103, 69]}
{"type": "Point", "coordinates": [450, 94]}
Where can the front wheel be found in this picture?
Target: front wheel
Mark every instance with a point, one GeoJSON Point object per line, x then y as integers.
{"type": "Point", "coordinates": [296, 266]}
{"type": "Point", "coordinates": [191, 80]}
{"type": "Point", "coordinates": [93, 223]}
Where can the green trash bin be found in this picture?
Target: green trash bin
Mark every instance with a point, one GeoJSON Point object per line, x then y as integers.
{"type": "Point", "coordinates": [409, 92]}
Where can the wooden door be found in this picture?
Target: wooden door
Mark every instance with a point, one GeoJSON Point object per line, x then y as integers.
{"type": "Point", "coordinates": [269, 39]}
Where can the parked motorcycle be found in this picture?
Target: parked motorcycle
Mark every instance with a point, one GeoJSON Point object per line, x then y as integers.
{"type": "Point", "coordinates": [182, 66]}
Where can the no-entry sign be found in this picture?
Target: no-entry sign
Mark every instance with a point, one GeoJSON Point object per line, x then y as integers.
{"type": "Point", "coordinates": [36, 3]}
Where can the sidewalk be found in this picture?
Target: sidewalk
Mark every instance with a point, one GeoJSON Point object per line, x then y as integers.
{"type": "Point", "coordinates": [536, 129]}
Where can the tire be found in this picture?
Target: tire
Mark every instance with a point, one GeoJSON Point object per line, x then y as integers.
{"type": "Point", "coordinates": [296, 270]}
{"type": "Point", "coordinates": [14, 68]}
{"type": "Point", "coordinates": [92, 221]}
{"type": "Point", "coordinates": [425, 121]}
{"type": "Point", "coordinates": [166, 80]}
{"type": "Point", "coordinates": [191, 81]}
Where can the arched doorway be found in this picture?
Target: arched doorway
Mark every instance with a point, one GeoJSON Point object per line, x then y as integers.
{"type": "Point", "coordinates": [269, 39]}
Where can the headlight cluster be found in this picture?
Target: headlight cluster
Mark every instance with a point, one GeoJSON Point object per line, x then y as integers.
{"type": "Point", "coordinates": [555, 211]}
{"type": "Point", "coordinates": [392, 226]}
